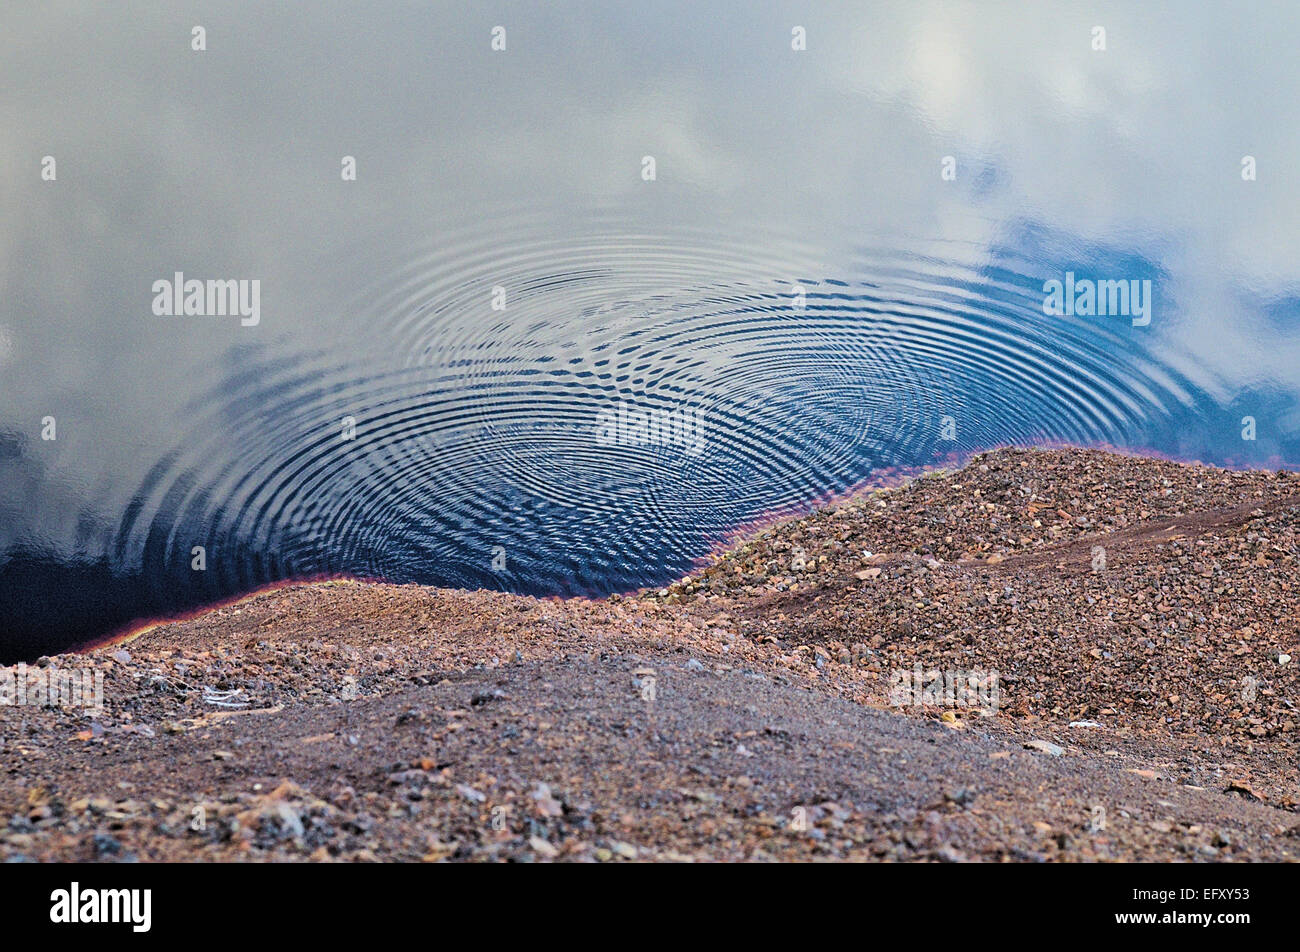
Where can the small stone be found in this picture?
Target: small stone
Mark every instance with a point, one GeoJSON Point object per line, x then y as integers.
{"type": "Point", "coordinates": [547, 805]}
{"type": "Point", "coordinates": [437, 850]}
{"type": "Point", "coordinates": [543, 848]}
{"type": "Point", "coordinates": [105, 845]}
{"type": "Point", "coordinates": [1045, 747]}
{"type": "Point", "coordinates": [469, 793]}
{"type": "Point", "coordinates": [290, 821]}
{"type": "Point", "coordinates": [962, 796]}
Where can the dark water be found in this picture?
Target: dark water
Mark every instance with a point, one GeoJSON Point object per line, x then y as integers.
{"type": "Point", "coordinates": [796, 301]}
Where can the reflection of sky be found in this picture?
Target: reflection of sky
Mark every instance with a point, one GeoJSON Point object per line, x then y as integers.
{"type": "Point", "coordinates": [228, 159]}
{"type": "Point", "coordinates": [226, 164]}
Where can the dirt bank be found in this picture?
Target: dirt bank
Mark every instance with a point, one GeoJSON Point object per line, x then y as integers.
{"type": "Point", "coordinates": [1139, 617]}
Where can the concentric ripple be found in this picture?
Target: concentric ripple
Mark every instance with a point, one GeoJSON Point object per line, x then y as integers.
{"type": "Point", "coordinates": [481, 379]}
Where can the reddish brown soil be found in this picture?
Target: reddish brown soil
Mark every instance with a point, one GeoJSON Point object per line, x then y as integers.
{"type": "Point", "coordinates": [742, 713]}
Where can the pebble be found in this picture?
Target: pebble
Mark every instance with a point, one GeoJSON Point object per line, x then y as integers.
{"type": "Point", "coordinates": [1045, 747]}
{"type": "Point", "coordinates": [543, 848]}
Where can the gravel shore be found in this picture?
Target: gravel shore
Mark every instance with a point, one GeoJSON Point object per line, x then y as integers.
{"type": "Point", "coordinates": [1130, 623]}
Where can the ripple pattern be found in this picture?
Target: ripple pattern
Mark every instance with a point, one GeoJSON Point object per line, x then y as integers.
{"type": "Point", "coordinates": [503, 446]}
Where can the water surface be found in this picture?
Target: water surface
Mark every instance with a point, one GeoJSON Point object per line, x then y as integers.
{"type": "Point", "coordinates": [797, 300]}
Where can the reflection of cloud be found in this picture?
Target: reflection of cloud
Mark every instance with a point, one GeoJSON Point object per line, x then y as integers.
{"type": "Point", "coordinates": [6, 346]}
{"type": "Point", "coordinates": [938, 74]}
{"type": "Point", "coordinates": [1145, 137]}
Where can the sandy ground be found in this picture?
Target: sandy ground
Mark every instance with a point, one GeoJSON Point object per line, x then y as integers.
{"type": "Point", "coordinates": [1140, 617]}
